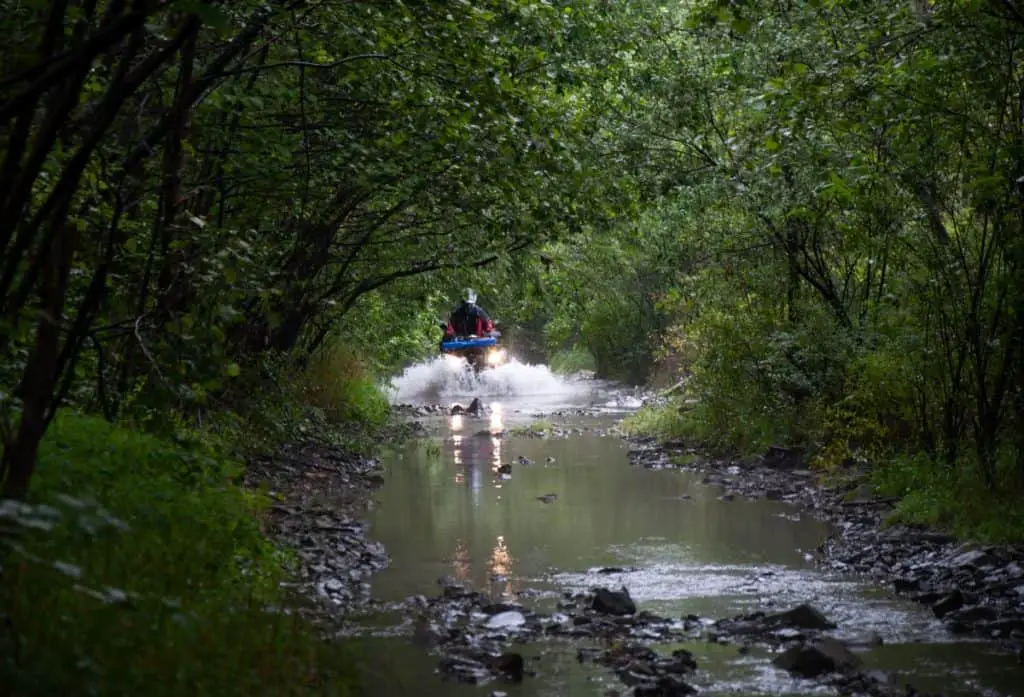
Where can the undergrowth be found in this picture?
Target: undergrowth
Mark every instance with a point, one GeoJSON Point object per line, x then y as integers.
{"type": "Point", "coordinates": [954, 498]}
{"type": "Point", "coordinates": [572, 360]}
{"type": "Point", "coordinates": [343, 388]}
{"type": "Point", "coordinates": [722, 431]}
{"type": "Point", "coordinates": [139, 567]}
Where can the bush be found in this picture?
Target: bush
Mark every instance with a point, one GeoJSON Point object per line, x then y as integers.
{"type": "Point", "coordinates": [140, 568]}
{"type": "Point", "coordinates": [572, 360]}
{"type": "Point", "coordinates": [339, 384]}
{"type": "Point", "coordinates": [954, 498]}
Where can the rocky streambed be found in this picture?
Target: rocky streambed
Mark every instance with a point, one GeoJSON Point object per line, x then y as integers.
{"type": "Point", "coordinates": [478, 641]}
{"type": "Point", "coordinates": [975, 589]}
{"type": "Point", "coordinates": [320, 498]}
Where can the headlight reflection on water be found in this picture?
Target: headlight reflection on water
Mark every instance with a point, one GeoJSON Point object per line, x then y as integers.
{"type": "Point", "coordinates": [497, 417]}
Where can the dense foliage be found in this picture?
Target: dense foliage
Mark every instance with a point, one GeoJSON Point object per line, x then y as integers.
{"type": "Point", "coordinates": [141, 568]}
{"type": "Point", "coordinates": [806, 217]}
{"type": "Point", "coordinates": [192, 190]}
{"type": "Point", "coordinates": [844, 218]}
{"type": "Point", "coordinates": [215, 219]}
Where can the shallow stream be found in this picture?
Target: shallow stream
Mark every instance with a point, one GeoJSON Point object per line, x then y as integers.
{"type": "Point", "coordinates": [445, 511]}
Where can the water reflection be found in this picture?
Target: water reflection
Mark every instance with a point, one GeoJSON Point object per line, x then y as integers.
{"type": "Point", "coordinates": [461, 562]}
{"type": "Point", "coordinates": [500, 567]}
{"type": "Point", "coordinates": [497, 417]}
{"type": "Point", "coordinates": [694, 553]}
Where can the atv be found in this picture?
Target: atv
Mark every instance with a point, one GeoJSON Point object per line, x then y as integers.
{"type": "Point", "coordinates": [479, 352]}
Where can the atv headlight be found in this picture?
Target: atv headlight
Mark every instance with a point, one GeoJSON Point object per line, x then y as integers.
{"type": "Point", "coordinates": [496, 357]}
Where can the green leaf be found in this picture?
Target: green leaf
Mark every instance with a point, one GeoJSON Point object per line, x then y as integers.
{"type": "Point", "coordinates": [209, 15]}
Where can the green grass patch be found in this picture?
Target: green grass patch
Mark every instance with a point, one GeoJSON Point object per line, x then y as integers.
{"type": "Point", "coordinates": [572, 360]}
{"type": "Point", "coordinates": [954, 498]}
{"type": "Point", "coordinates": [140, 568]}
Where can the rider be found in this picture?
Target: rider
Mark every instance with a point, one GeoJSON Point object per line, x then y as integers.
{"type": "Point", "coordinates": [468, 319]}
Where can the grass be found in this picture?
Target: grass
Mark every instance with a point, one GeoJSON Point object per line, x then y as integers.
{"type": "Point", "coordinates": [954, 499]}
{"type": "Point", "coordinates": [140, 568]}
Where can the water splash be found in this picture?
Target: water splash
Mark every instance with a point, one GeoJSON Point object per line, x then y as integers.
{"type": "Point", "coordinates": [447, 377]}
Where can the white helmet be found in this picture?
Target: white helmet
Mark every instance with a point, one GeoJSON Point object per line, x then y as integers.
{"type": "Point", "coordinates": [471, 296]}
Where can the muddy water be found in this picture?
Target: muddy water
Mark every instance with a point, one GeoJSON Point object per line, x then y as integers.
{"type": "Point", "coordinates": [446, 511]}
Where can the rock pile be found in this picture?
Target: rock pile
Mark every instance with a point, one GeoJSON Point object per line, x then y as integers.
{"type": "Point", "coordinates": [319, 496]}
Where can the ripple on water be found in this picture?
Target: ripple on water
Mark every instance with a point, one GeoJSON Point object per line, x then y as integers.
{"type": "Point", "coordinates": [677, 588]}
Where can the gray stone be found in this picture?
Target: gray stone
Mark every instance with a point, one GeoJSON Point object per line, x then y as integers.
{"type": "Point", "coordinates": [801, 617]}
{"type": "Point", "coordinates": [818, 658]}
{"type": "Point", "coordinates": [951, 603]}
{"type": "Point", "coordinates": [610, 602]}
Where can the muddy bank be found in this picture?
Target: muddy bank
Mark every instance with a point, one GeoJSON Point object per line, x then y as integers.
{"type": "Point", "coordinates": [976, 590]}
{"type": "Point", "coordinates": [320, 496]}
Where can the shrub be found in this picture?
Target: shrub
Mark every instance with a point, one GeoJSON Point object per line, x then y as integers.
{"type": "Point", "coordinates": [140, 568]}
{"type": "Point", "coordinates": [954, 498]}
{"type": "Point", "coordinates": [339, 384]}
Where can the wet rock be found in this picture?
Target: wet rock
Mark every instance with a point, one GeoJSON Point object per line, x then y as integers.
{"type": "Point", "coordinates": [905, 584]}
{"type": "Point", "coordinates": [453, 590]}
{"type": "Point", "coordinates": [611, 602]}
{"type": "Point", "coordinates": [510, 666]}
{"type": "Point", "coordinates": [816, 659]}
{"type": "Point", "coordinates": [498, 608]}
{"type": "Point", "coordinates": [506, 620]}
{"type": "Point", "coordinates": [950, 603]}
{"type": "Point", "coordinates": [457, 410]}
{"type": "Point", "coordinates": [615, 570]}
{"type": "Point", "coordinates": [427, 634]}
{"type": "Point", "coordinates": [665, 686]}
{"type": "Point", "coordinates": [548, 498]}
{"type": "Point", "coordinates": [801, 617]}
{"type": "Point", "coordinates": [974, 559]}
{"type": "Point", "coordinates": [475, 407]}
{"type": "Point", "coordinates": [465, 670]}
{"type": "Point", "coordinates": [505, 469]}
{"type": "Point", "coordinates": [522, 460]}
{"type": "Point", "coordinates": [334, 555]}
{"type": "Point", "coordinates": [783, 458]}
{"type": "Point", "coordinates": [976, 614]}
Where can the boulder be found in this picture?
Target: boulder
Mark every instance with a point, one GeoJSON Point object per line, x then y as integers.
{"type": "Point", "coordinates": [801, 617]}
{"type": "Point", "coordinates": [975, 559]}
{"type": "Point", "coordinates": [506, 620]}
{"type": "Point", "coordinates": [817, 659]}
{"type": "Point", "coordinates": [950, 603]}
{"type": "Point", "coordinates": [609, 602]}
{"type": "Point", "coordinates": [974, 615]}
{"type": "Point", "coordinates": [510, 666]}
